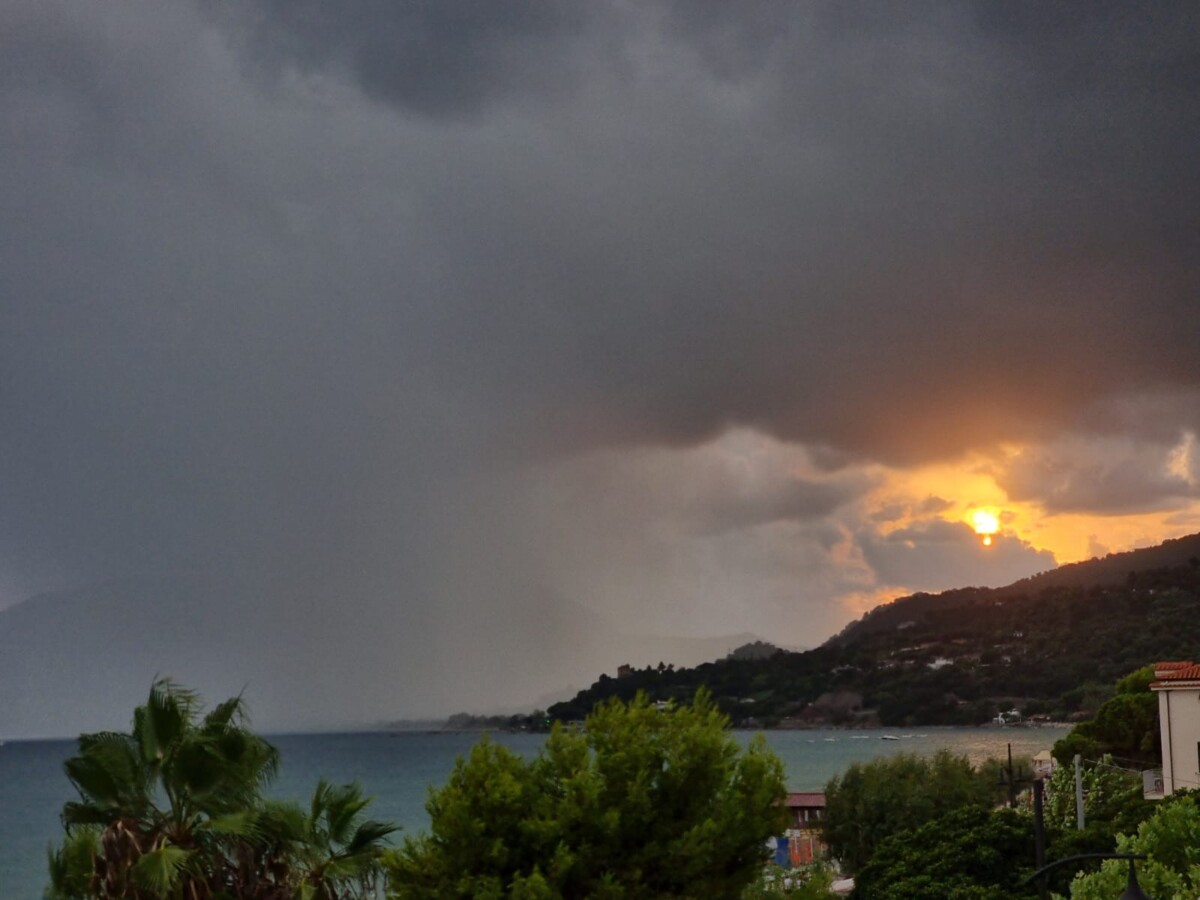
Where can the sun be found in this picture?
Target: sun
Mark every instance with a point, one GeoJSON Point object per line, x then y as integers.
{"type": "Point", "coordinates": [986, 524]}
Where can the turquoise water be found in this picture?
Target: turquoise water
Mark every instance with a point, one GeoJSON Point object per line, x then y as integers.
{"type": "Point", "coordinates": [397, 769]}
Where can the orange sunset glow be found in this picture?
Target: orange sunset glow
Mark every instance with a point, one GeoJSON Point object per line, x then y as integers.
{"type": "Point", "coordinates": [967, 490]}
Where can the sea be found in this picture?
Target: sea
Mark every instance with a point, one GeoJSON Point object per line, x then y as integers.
{"type": "Point", "coordinates": [398, 768]}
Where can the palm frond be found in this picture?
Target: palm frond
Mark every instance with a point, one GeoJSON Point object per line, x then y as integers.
{"type": "Point", "coordinates": [368, 836]}
{"type": "Point", "coordinates": [243, 824]}
{"type": "Point", "coordinates": [107, 772]}
{"type": "Point", "coordinates": [159, 870]}
{"type": "Point", "coordinates": [86, 742]}
{"type": "Point", "coordinates": [83, 814]}
{"type": "Point", "coordinates": [348, 868]}
{"type": "Point", "coordinates": [72, 865]}
{"type": "Point", "coordinates": [225, 714]}
{"type": "Point", "coordinates": [165, 718]}
{"type": "Point", "coordinates": [339, 806]}
{"type": "Point", "coordinates": [319, 798]}
{"type": "Point", "coordinates": [283, 822]}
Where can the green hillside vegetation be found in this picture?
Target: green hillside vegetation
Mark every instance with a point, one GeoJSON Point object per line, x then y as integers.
{"type": "Point", "coordinates": [955, 658]}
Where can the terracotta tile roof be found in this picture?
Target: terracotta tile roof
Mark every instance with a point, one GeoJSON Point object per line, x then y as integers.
{"type": "Point", "coordinates": [1175, 671]}
{"type": "Point", "coordinates": [1168, 666]}
{"type": "Point", "coordinates": [805, 798]}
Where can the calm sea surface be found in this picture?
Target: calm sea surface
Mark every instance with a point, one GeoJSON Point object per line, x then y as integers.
{"type": "Point", "coordinates": [397, 769]}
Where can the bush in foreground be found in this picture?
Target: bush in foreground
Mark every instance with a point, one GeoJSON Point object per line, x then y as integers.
{"type": "Point", "coordinates": [642, 803]}
{"type": "Point", "coordinates": [969, 854]}
{"type": "Point", "coordinates": [872, 801]}
{"type": "Point", "coordinates": [1170, 838]}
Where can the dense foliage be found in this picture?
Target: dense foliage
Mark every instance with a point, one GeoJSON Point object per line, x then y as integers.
{"type": "Point", "coordinates": [956, 658]}
{"type": "Point", "coordinates": [811, 881]}
{"type": "Point", "coordinates": [641, 803]}
{"type": "Point", "coordinates": [971, 853]}
{"type": "Point", "coordinates": [1125, 726]}
{"type": "Point", "coordinates": [955, 844]}
{"type": "Point", "coordinates": [870, 802]}
{"type": "Point", "coordinates": [1113, 804]}
{"type": "Point", "coordinates": [1171, 840]}
{"type": "Point", "coordinates": [913, 828]}
{"type": "Point", "coordinates": [174, 809]}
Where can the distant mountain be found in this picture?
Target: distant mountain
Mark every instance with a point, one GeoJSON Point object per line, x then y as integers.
{"type": "Point", "coordinates": [754, 650]}
{"type": "Point", "coordinates": [1050, 645]}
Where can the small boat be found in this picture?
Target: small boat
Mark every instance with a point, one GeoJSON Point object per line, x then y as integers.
{"type": "Point", "coordinates": [888, 737]}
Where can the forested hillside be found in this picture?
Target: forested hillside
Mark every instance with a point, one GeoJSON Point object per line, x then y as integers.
{"type": "Point", "coordinates": [1049, 646]}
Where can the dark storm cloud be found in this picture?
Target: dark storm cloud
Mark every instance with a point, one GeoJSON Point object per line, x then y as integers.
{"type": "Point", "coordinates": [899, 232]}
{"type": "Point", "coordinates": [438, 59]}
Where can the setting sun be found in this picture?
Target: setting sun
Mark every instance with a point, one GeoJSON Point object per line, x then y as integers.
{"type": "Point", "coordinates": [986, 523]}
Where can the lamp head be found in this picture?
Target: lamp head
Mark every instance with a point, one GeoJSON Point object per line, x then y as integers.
{"type": "Point", "coordinates": [1133, 891]}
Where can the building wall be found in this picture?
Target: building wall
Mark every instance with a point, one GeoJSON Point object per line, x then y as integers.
{"type": "Point", "coordinates": [1179, 721]}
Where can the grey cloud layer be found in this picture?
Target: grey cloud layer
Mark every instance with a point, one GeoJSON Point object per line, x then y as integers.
{"type": "Point", "coordinates": [1106, 477]}
{"type": "Point", "coordinates": [938, 555]}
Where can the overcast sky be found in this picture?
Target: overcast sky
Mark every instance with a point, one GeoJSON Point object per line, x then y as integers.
{"type": "Point", "coordinates": [698, 318]}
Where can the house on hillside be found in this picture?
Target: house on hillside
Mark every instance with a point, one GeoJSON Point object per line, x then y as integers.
{"type": "Point", "coordinates": [1178, 687]}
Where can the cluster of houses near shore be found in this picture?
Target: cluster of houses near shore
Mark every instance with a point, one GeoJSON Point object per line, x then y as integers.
{"type": "Point", "coordinates": [1177, 685]}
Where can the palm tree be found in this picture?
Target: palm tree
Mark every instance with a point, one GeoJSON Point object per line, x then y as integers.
{"type": "Point", "coordinates": [169, 798]}
{"type": "Point", "coordinates": [334, 852]}
{"type": "Point", "coordinates": [174, 809]}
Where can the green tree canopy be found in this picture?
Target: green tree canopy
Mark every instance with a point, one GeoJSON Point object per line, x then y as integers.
{"type": "Point", "coordinates": [872, 801]}
{"type": "Point", "coordinates": [1125, 726]}
{"type": "Point", "coordinates": [972, 853]}
{"type": "Point", "coordinates": [641, 803]}
{"type": "Point", "coordinates": [1171, 840]}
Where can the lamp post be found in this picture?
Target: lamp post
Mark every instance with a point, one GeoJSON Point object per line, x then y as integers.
{"type": "Point", "coordinates": [1133, 891]}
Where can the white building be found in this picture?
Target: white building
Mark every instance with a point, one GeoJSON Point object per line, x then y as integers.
{"type": "Point", "coordinates": [1178, 689]}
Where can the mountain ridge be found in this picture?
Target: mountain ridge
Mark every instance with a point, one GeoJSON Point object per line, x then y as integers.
{"type": "Point", "coordinates": [964, 655]}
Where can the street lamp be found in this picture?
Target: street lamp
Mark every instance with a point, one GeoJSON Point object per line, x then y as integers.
{"type": "Point", "coordinates": [1133, 890]}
